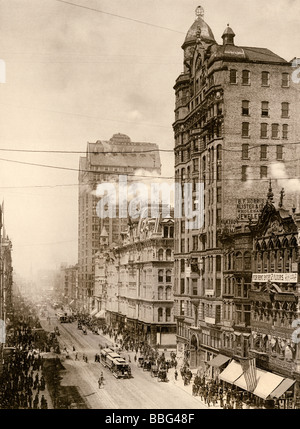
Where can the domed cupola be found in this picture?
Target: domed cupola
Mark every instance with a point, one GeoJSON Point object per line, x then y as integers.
{"type": "Point", "coordinates": [228, 36]}
{"type": "Point", "coordinates": [199, 29]}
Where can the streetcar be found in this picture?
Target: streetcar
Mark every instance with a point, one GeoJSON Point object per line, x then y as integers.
{"type": "Point", "coordinates": [120, 368]}
{"type": "Point", "coordinates": [103, 355]}
{"type": "Point", "coordinates": [115, 363]}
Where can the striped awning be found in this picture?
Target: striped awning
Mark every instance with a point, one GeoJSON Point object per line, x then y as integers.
{"type": "Point", "coordinates": [267, 383]}
{"type": "Point", "coordinates": [282, 388]}
{"type": "Point", "coordinates": [218, 361]}
{"type": "Point", "coordinates": [94, 311]}
{"type": "Point", "coordinates": [100, 314]}
{"type": "Point", "coordinates": [232, 372]}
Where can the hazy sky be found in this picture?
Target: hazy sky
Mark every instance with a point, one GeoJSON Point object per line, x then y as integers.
{"type": "Point", "coordinates": [75, 75]}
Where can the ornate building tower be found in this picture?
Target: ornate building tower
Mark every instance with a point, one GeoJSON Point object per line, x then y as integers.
{"type": "Point", "coordinates": [235, 119]}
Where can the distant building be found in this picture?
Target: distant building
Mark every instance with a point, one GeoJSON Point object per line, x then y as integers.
{"type": "Point", "coordinates": [6, 281]}
{"type": "Point", "coordinates": [71, 285]}
{"type": "Point", "coordinates": [104, 162]}
{"type": "Point", "coordinates": [137, 277]}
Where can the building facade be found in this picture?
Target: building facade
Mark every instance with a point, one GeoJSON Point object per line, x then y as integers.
{"type": "Point", "coordinates": [6, 287]}
{"type": "Point", "coordinates": [235, 122]}
{"type": "Point", "coordinates": [261, 303]}
{"type": "Point", "coordinates": [104, 162]}
{"type": "Point", "coordinates": [71, 285]}
{"type": "Point", "coordinates": [136, 279]}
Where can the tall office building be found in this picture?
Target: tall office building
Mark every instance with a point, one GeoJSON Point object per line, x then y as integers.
{"type": "Point", "coordinates": [235, 129]}
{"type": "Point", "coordinates": [104, 162]}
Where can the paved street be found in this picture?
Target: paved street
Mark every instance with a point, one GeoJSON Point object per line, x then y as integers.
{"type": "Point", "coordinates": [140, 392]}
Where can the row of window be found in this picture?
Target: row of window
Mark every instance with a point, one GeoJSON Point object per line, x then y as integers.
{"type": "Point", "coordinates": [265, 109]}
{"type": "Point", "coordinates": [264, 130]}
{"type": "Point", "coordinates": [263, 172]}
{"type": "Point", "coordinates": [160, 314]}
{"type": "Point", "coordinates": [168, 255]}
{"type": "Point", "coordinates": [263, 152]}
{"type": "Point", "coordinates": [265, 78]}
{"type": "Point", "coordinates": [185, 155]}
{"type": "Point", "coordinates": [161, 276]}
{"type": "Point", "coordinates": [164, 294]}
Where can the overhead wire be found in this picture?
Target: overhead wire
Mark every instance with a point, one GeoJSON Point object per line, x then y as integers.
{"type": "Point", "coordinates": [119, 16]}
{"type": "Point", "coordinates": [86, 116]}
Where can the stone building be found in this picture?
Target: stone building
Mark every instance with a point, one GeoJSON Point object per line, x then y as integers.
{"type": "Point", "coordinates": [71, 285]}
{"type": "Point", "coordinates": [104, 162]}
{"type": "Point", "coordinates": [261, 304]}
{"type": "Point", "coordinates": [235, 121]}
{"type": "Point", "coordinates": [136, 279]}
{"type": "Point", "coordinates": [6, 286]}
{"type": "Point", "coordinates": [275, 292]}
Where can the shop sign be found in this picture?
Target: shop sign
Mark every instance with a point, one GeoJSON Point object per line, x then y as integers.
{"type": "Point", "coordinates": [275, 277]}
{"type": "Point", "coordinates": [249, 208]}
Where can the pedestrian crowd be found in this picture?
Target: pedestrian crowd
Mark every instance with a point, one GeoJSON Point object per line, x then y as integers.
{"type": "Point", "coordinates": [21, 380]}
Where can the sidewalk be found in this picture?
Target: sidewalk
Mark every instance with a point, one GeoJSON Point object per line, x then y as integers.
{"type": "Point", "coordinates": [42, 392]}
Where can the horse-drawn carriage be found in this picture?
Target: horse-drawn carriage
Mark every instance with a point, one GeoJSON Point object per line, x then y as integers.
{"type": "Point", "coordinates": [147, 365]}
{"type": "Point", "coordinates": [162, 375]}
{"type": "Point", "coordinates": [141, 362]}
{"type": "Point", "coordinates": [154, 370]}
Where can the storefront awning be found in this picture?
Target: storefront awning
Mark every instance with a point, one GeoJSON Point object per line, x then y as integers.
{"type": "Point", "coordinates": [282, 388]}
{"type": "Point", "coordinates": [100, 314]}
{"type": "Point", "coordinates": [266, 384]}
{"type": "Point", "coordinates": [232, 372]}
{"type": "Point", "coordinates": [93, 312]}
{"type": "Point", "coordinates": [218, 361]}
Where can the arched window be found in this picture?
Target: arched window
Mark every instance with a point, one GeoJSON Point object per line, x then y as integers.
{"type": "Point", "coordinates": [265, 261]}
{"type": "Point", "coordinates": [212, 161]}
{"type": "Point", "coordinates": [182, 174]}
{"type": "Point", "coordinates": [160, 293]}
{"type": "Point", "coordinates": [218, 263]}
{"type": "Point", "coordinates": [239, 261]}
{"type": "Point", "coordinates": [219, 152]}
{"type": "Point", "coordinates": [160, 276]}
{"type": "Point", "coordinates": [168, 254]}
{"type": "Point", "coordinates": [160, 314]}
{"type": "Point", "coordinates": [272, 261]}
{"type": "Point", "coordinates": [169, 293]}
{"type": "Point", "coordinates": [259, 262]}
{"type": "Point", "coordinates": [229, 261]}
{"type": "Point", "coordinates": [168, 276]}
{"type": "Point", "coordinates": [160, 255]}
{"type": "Point", "coordinates": [168, 314]}
{"type": "Point", "coordinates": [286, 260]}
{"type": "Point", "coordinates": [247, 261]}
{"type": "Point", "coordinates": [279, 260]}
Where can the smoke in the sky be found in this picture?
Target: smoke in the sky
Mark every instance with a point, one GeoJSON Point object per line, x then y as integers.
{"type": "Point", "coordinates": [278, 172]}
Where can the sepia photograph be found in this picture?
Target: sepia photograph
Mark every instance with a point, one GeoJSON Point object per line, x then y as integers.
{"type": "Point", "coordinates": [149, 207]}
